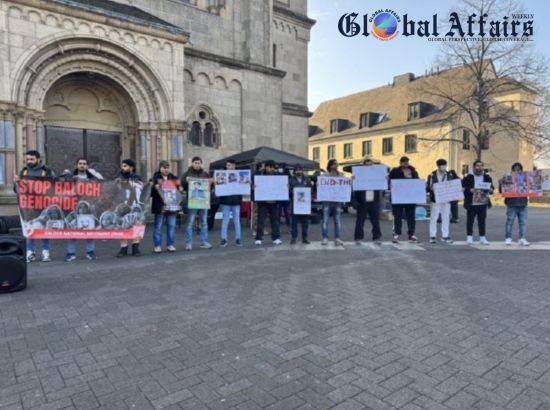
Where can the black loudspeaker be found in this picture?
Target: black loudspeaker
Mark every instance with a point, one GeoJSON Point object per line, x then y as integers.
{"type": "Point", "coordinates": [13, 263]}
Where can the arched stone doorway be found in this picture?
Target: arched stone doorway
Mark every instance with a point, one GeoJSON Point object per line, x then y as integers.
{"type": "Point", "coordinates": [88, 115]}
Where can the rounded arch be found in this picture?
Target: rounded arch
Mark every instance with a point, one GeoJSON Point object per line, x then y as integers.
{"type": "Point", "coordinates": [56, 57]}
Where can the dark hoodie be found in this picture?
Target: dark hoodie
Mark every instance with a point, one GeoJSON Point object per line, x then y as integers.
{"type": "Point", "coordinates": [191, 173]}
{"type": "Point", "coordinates": [157, 203]}
{"type": "Point", "coordinates": [40, 170]}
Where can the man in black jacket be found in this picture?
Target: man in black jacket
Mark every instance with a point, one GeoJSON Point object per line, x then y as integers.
{"type": "Point", "coordinates": [439, 211]}
{"type": "Point", "coordinates": [127, 175]}
{"type": "Point", "coordinates": [270, 208]}
{"type": "Point", "coordinates": [231, 206]}
{"type": "Point", "coordinates": [477, 188]}
{"type": "Point", "coordinates": [299, 180]}
{"type": "Point", "coordinates": [165, 212]}
{"type": "Point", "coordinates": [368, 203]}
{"type": "Point", "coordinates": [404, 171]}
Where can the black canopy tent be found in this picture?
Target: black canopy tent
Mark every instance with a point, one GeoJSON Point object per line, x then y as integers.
{"type": "Point", "coordinates": [249, 159]}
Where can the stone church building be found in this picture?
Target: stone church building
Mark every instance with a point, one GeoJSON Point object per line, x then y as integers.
{"type": "Point", "coordinates": [150, 80]}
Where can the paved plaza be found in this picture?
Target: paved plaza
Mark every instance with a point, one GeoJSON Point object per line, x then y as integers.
{"type": "Point", "coordinates": [304, 327]}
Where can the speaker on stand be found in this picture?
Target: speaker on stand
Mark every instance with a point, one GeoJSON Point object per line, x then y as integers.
{"type": "Point", "coordinates": [13, 261]}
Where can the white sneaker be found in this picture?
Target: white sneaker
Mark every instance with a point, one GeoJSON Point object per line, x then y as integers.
{"type": "Point", "coordinates": [171, 248]}
{"type": "Point", "coordinates": [508, 241]}
{"type": "Point", "coordinates": [523, 242]}
{"type": "Point", "coordinates": [325, 242]}
{"type": "Point", "coordinates": [483, 241]}
{"type": "Point", "coordinates": [338, 242]}
{"type": "Point", "coordinates": [157, 249]}
{"type": "Point", "coordinates": [258, 243]}
{"type": "Point", "coordinates": [46, 256]}
{"type": "Point", "coordinates": [469, 240]}
{"type": "Point", "coordinates": [206, 245]}
{"type": "Point", "coordinates": [277, 242]}
{"type": "Point", "coordinates": [31, 256]}
{"type": "Point", "coordinates": [188, 247]}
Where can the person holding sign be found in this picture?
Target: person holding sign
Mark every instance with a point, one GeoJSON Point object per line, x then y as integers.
{"type": "Point", "coordinates": [266, 208]}
{"type": "Point", "coordinates": [81, 173]}
{"type": "Point", "coordinates": [35, 168]}
{"type": "Point", "coordinates": [231, 206]}
{"type": "Point", "coordinates": [195, 171]}
{"type": "Point", "coordinates": [332, 209]}
{"type": "Point", "coordinates": [368, 203]}
{"type": "Point", "coordinates": [477, 188]}
{"type": "Point", "coordinates": [404, 171]}
{"type": "Point", "coordinates": [516, 207]}
{"type": "Point", "coordinates": [300, 180]}
{"type": "Point", "coordinates": [439, 209]}
{"type": "Point", "coordinates": [165, 205]}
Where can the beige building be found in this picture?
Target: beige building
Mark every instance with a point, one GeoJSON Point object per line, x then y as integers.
{"type": "Point", "coordinates": [149, 79]}
{"type": "Point", "coordinates": [399, 119]}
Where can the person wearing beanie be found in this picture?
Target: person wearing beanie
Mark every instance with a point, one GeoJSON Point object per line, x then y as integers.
{"type": "Point", "coordinates": [128, 174]}
{"type": "Point", "coordinates": [516, 207]}
{"type": "Point", "coordinates": [163, 216]}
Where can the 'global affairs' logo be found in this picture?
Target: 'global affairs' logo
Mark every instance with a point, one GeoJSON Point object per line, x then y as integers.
{"type": "Point", "coordinates": [385, 23]}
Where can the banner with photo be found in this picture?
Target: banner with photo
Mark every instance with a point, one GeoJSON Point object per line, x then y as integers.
{"type": "Point", "coordinates": [171, 195]}
{"type": "Point", "coordinates": [54, 208]}
{"type": "Point", "coordinates": [198, 195]}
{"type": "Point", "coordinates": [271, 188]}
{"type": "Point", "coordinates": [333, 189]}
{"type": "Point", "coordinates": [232, 182]}
{"type": "Point", "coordinates": [448, 191]}
{"type": "Point", "coordinates": [523, 185]}
{"type": "Point", "coordinates": [301, 204]}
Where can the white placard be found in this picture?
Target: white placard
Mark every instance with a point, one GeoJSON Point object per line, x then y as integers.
{"type": "Point", "coordinates": [333, 189]}
{"type": "Point", "coordinates": [486, 186]}
{"type": "Point", "coordinates": [301, 204]}
{"type": "Point", "coordinates": [448, 191]}
{"type": "Point", "coordinates": [370, 177]}
{"type": "Point", "coordinates": [408, 191]}
{"type": "Point", "coordinates": [232, 182]}
{"type": "Point", "coordinates": [271, 188]}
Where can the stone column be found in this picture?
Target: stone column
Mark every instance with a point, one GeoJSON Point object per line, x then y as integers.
{"type": "Point", "coordinates": [20, 140]}
{"type": "Point", "coordinates": [153, 158]}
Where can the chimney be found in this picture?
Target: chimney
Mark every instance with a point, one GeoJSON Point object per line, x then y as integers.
{"type": "Point", "coordinates": [403, 79]}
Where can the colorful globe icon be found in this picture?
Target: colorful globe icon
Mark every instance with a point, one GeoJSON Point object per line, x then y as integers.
{"type": "Point", "coordinates": [384, 26]}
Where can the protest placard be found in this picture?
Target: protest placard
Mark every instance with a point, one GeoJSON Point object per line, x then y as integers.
{"type": "Point", "coordinates": [408, 191]}
{"type": "Point", "coordinates": [522, 185]}
{"type": "Point", "coordinates": [301, 201]}
{"type": "Point", "coordinates": [271, 188]}
{"type": "Point", "coordinates": [448, 191]}
{"type": "Point", "coordinates": [198, 193]}
{"type": "Point", "coordinates": [372, 177]}
{"type": "Point", "coordinates": [171, 196]}
{"type": "Point", "coordinates": [333, 189]}
{"type": "Point", "coordinates": [232, 182]}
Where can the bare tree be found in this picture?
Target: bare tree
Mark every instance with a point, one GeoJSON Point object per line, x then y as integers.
{"type": "Point", "coordinates": [471, 98]}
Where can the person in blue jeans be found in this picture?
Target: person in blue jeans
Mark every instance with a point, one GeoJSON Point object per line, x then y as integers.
{"type": "Point", "coordinates": [34, 168]}
{"type": "Point", "coordinates": [516, 208]}
{"type": "Point", "coordinates": [231, 206]}
{"type": "Point", "coordinates": [196, 171]}
{"type": "Point", "coordinates": [81, 173]}
{"type": "Point", "coordinates": [332, 210]}
{"type": "Point", "coordinates": [164, 206]}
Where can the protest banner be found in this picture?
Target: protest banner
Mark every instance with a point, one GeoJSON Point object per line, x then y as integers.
{"type": "Point", "coordinates": [408, 191]}
{"type": "Point", "coordinates": [301, 204]}
{"type": "Point", "coordinates": [333, 189]}
{"type": "Point", "coordinates": [170, 195]}
{"type": "Point", "coordinates": [198, 196]}
{"type": "Point", "coordinates": [370, 178]}
{"type": "Point", "coordinates": [522, 185]}
{"type": "Point", "coordinates": [480, 197]}
{"type": "Point", "coordinates": [232, 182]}
{"type": "Point", "coordinates": [52, 208]}
{"type": "Point", "coordinates": [271, 188]}
{"type": "Point", "coordinates": [448, 191]}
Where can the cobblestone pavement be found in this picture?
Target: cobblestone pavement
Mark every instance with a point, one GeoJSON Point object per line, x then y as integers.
{"type": "Point", "coordinates": [359, 327]}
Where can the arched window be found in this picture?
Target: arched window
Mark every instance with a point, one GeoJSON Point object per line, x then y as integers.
{"type": "Point", "coordinates": [196, 137]}
{"type": "Point", "coordinates": [209, 135]}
